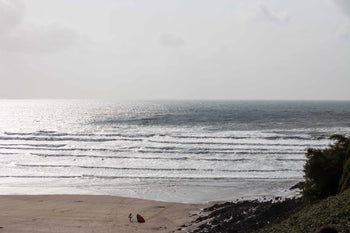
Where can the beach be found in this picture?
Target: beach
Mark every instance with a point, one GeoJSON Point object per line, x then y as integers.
{"type": "Point", "coordinates": [78, 166]}
{"type": "Point", "coordinates": [91, 213]}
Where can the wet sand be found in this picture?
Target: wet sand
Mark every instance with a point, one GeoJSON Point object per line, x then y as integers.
{"type": "Point", "coordinates": [89, 213]}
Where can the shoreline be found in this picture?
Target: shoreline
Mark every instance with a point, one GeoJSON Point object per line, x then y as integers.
{"type": "Point", "coordinates": [92, 213]}
{"type": "Point", "coordinates": [200, 192]}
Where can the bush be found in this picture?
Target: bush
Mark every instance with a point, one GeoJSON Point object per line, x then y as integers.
{"type": "Point", "coordinates": [327, 171]}
{"type": "Point", "coordinates": [345, 179]}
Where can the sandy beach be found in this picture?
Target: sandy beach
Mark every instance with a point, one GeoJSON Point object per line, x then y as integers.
{"type": "Point", "coordinates": [89, 213]}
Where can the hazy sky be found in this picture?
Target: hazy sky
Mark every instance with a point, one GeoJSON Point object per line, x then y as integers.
{"type": "Point", "coordinates": [175, 49]}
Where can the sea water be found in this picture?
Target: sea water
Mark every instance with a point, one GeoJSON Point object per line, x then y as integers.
{"type": "Point", "coordinates": [179, 151]}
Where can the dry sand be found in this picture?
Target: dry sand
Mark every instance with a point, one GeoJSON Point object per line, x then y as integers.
{"type": "Point", "coordinates": [83, 213]}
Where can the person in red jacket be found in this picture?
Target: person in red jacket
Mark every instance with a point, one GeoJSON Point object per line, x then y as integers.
{"type": "Point", "coordinates": [140, 219]}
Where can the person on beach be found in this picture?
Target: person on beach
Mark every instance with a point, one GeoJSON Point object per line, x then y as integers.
{"type": "Point", "coordinates": [130, 217]}
{"type": "Point", "coordinates": [140, 219]}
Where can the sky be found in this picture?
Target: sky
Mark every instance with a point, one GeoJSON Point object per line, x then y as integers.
{"type": "Point", "coordinates": [175, 49]}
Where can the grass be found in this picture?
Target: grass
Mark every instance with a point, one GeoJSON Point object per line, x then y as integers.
{"type": "Point", "coordinates": [333, 211]}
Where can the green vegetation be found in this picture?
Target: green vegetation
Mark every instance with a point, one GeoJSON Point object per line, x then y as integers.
{"type": "Point", "coordinates": [333, 211]}
{"type": "Point", "coordinates": [327, 171]}
{"type": "Point", "coordinates": [327, 191]}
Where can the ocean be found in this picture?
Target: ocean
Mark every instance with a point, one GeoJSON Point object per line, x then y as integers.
{"type": "Point", "coordinates": [177, 151]}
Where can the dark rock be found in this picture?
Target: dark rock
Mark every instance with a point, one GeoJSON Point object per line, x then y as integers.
{"type": "Point", "coordinates": [299, 185]}
{"type": "Point", "coordinates": [246, 216]}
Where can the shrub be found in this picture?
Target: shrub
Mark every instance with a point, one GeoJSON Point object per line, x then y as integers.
{"type": "Point", "coordinates": [344, 182]}
{"type": "Point", "coordinates": [327, 171]}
